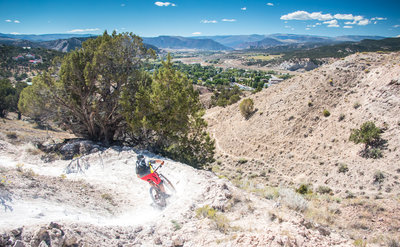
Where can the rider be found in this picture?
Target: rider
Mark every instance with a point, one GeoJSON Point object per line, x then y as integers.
{"type": "Point", "coordinates": [144, 172]}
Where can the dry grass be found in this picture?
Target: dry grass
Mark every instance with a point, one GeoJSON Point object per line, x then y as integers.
{"type": "Point", "coordinates": [264, 57]}
{"type": "Point", "coordinates": [220, 221]}
{"type": "Point", "coordinates": [24, 131]}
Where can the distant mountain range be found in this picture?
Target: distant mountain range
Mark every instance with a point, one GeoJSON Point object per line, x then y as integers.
{"type": "Point", "coordinates": [53, 43]}
{"type": "Point", "coordinates": [68, 42]}
{"type": "Point", "coordinates": [233, 41]}
{"type": "Point", "coordinates": [63, 45]}
{"type": "Point", "coordinates": [177, 42]}
{"type": "Point", "coordinates": [345, 49]}
{"type": "Point", "coordinates": [265, 41]}
{"type": "Point", "coordinates": [45, 37]}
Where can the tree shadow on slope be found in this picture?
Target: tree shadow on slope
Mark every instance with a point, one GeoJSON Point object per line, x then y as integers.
{"type": "Point", "coordinates": [374, 150]}
{"type": "Point", "coordinates": [251, 114]}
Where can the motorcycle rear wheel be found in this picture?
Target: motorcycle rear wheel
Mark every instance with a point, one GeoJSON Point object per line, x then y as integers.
{"type": "Point", "coordinates": [157, 197]}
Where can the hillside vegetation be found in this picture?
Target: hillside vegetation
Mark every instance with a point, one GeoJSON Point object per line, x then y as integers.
{"type": "Point", "coordinates": [10, 65]}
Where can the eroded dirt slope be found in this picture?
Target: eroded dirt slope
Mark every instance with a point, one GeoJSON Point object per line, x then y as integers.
{"type": "Point", "coordinates": [289, 140]}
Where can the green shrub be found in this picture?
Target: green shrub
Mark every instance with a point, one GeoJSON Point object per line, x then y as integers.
{"type": "Point", "coordinates": [107, 197]}
{"type": "Point", "coordinates": [242, 161]}
{"type": "Point", "coordinates": [356, 105]}
{"type": "Point", "coordinates": [176, 225]}
{"type": "Point", "coordinates": [205, 212]}
{"type": "Point", "coordinates": [374, 153]}
{"type": "Point", "coordinates": [222, 223]}
{"type": "Point", "coordinates": [343, 168]}
{"type": "Point", "coordinates": [324, 189]}
{"type": "Point", "coordinates": [246, 108]}
{"type": "Point", "coordinates": [360, 243]}
{"type": "Point", "coordinates": [326, 113]}
{"type": "Point", "coordinates": [233, 99]}
{"type": "Point", "coordinates": [379, 177]}
{"type": "Point", "coordinates": [220, 220]}
{"type": "Point", "coordinates": [368, 134]}
{"type": "Point", "coordinates": [304, 189]}
{"type": "Point", "coordinates": [310, 104]}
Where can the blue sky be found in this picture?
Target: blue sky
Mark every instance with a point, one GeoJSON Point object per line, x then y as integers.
{"type": "Point", "coordinates": [201, 17]}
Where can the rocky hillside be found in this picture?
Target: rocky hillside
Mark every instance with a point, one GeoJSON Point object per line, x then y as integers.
{"type": "Point", "coordinates": [289, 134]}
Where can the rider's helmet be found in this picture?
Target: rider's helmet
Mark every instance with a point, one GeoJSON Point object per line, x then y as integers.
{"type": "Point", "coordinates": [141, 161]}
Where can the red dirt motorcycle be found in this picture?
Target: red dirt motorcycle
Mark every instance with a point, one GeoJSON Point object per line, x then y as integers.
{"type": "Point", "coordinates": [158, 182]}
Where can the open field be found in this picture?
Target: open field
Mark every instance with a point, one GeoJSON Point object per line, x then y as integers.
{"type": "Point", "coordinates": [265, 57]}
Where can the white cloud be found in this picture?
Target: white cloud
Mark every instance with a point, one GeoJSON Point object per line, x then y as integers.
{"type": "Point", "coordinates": [379, 19]}
{"type": "Point", "coordinates": [270, 4]}
{"type": "Point", "coordinates": [358, 18]}
{"type": "Point", "coordinates": [17, 21]}
{"type": "Point", "coordinates": [209, 21]}
{"type": "Point", "coordinates": [344, 16]}
{"type": "Point", "coordinates": [332, 23]}
{"type": "Point", "coordinates": [164, 4]}
{"type": "Point", "coordinates": [318, 24]}
{"type": "Point", "coordinates": [196, 33]}
{"type": "Point", "coordinates": [244, 8]}
{"type": "Point", "coordinates": [229, 20]}
{"type": "Point", "coordinates": [123, 5]}
{"type": "Point", "coordinates": [347, 26]}
{"type": "Point", "coordinates": [8, 20]}
{"type": "Point", "coordinates": [83, 30]}
{"type": "Point", "coordinates": [304, 15]}
{"type": "Point", "coordinates": [363, 22]}
{"type": "Point", "coordinates": [398, 36]}
{"type": "Point", "coordinates": [307, 28]}
{"type": "Point", "coordinates": [287, 26]}
{"type": "Point", "coordinates": [331, 20]}
{"type": "Point", "coordinates": [396, 26]}
{"type": "Point", "coordinates": [15, 33]}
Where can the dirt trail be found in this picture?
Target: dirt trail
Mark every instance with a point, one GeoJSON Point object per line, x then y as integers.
{"type": "Point", "coordinates": [113, 171]}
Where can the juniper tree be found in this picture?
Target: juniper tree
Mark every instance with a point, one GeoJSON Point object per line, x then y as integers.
{"type": "Point", "coordinates": [86, 90]}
